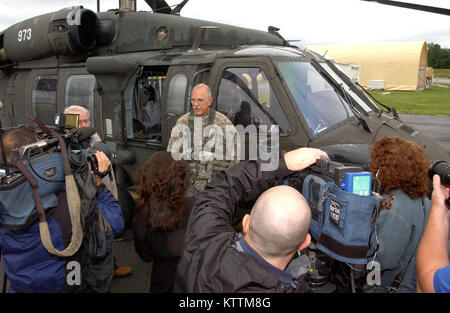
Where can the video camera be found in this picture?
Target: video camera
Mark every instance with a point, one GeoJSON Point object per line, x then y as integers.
{"type": "Point", "coordinates": [77, 141]}
{"type": "Point", "coordinates": [442, 169]}
{"type": "Point", "coordinates": [80, 139]}
{"type": "Point", "coordinates": [349, 178]}
{"type": "Point", "coordinates": [343, 213]}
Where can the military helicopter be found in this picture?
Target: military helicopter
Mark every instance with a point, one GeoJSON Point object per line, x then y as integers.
{"type": "Point", "coordinates": [113, 62]}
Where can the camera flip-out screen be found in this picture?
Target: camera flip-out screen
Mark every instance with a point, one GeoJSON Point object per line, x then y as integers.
{"type": "Point", "coordinates": [72, 120]}
{"type": "Point", "coordinates": [67, 120]}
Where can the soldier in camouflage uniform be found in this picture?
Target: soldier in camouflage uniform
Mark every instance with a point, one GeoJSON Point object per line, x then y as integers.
{"type": "Point", "coordinates": [208, 154]}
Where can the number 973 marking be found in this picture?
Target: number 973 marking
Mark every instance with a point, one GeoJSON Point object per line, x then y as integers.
{"type": "Point", "coordinates": [24, 34]}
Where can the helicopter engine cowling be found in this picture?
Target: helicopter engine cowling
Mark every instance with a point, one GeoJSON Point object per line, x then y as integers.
{"type": "Point", "coordinates": [65, 32]}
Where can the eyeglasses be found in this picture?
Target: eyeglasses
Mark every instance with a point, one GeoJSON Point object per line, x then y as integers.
{"type": "Point", "coordinates": [84, 122]}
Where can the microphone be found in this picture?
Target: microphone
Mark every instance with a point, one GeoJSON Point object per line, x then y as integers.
{"type": "Point", "coordinates": [83, 133]}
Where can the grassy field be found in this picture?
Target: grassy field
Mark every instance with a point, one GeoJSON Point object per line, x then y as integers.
{"type": "Point", "coordinates": [433, 101]}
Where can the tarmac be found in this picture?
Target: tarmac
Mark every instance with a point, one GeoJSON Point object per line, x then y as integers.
{"type": "Point", "coordinates": [441, 80]}
{"type": "Point", "coordinates": [437, 127]}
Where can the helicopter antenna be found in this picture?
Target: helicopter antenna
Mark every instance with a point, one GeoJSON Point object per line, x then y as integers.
{"type": "Point", "coordinates": [325, 54]}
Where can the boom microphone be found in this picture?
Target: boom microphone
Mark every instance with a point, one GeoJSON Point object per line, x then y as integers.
{"type": "Point", "coordinates": [83, 133]}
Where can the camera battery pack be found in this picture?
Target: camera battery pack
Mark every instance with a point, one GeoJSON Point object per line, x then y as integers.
{"type": "Point", "coordinates": [359, 183]}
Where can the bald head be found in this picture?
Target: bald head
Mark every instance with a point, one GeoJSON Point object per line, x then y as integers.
{"type": "Point", "coordinates": [279, 221]}
{"type": "Point", "coordinates": [201, 99]}
{"type": "Point", "coordinates": [203, 87]}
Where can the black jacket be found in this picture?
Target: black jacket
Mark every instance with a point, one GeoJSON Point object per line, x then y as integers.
{"type": "Point", "coordinates": [163, 248]}
{"type": "Point", "coordinates": [211, 262]}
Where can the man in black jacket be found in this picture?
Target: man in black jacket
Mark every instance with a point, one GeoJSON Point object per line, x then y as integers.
{"type": "Point", "coordinates": [218, 259]}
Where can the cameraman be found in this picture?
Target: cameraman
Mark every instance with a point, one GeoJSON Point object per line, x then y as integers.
{"type": "Point", "coordinates": [84, 120]}
{"type": "Point", "coordinates": [433, 269]}
{"type": "Point", "coordinates": [27, 264]}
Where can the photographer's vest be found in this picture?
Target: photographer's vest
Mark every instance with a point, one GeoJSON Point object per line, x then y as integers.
{"type": "Point", "coordinates": [202, 170]}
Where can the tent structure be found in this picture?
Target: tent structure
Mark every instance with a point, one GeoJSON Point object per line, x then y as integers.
{"type": "Point", "coordinates": [401, 65]}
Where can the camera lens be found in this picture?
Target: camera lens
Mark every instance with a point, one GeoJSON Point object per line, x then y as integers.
{"type": "Point", "coordinates": [442, 169]}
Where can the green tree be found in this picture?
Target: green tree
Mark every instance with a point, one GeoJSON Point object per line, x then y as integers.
{"type": "Point", "coordinates": [434, 52]}
{"type": "Point", "coordinates": [445, 58]}
{"type": "Point", "coordinates": [438, 57]}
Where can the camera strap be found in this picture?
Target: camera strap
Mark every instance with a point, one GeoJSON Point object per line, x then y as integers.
{"type": "Point", "coordinates": [72, 197]}
{"type": "Point", "coordinates": [74, 211]}
{"type": "Point", "coordinates": [33, 182]}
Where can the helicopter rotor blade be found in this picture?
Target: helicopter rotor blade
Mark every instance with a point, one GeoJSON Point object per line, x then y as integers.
{"type": "Point", "coordinates": [413, 6]}
{"type": "Point", "coordinates": [178, 8]}
{"type": "Point", "coordinates": [159, 6]}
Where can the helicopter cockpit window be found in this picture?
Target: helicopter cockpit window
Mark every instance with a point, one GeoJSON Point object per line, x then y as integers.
{"type": "Point", "coordinates": [80, 91]}
{"type": "Point", "coordinates": [354, 96]}
{"type": "Point", "coordinates": [247, 98]}
{"type": "Point", "coordinates": [147, 107]}
{"type": "Point", "coordinates": [44, 98]}
{"type": "Point", "coordinates": [320, 104]}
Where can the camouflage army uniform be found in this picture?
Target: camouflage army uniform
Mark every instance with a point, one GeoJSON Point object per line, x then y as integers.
{"type": "Point", "coordinates": [203, 166]}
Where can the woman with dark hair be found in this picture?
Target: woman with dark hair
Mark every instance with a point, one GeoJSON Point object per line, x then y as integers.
{"type": "Point", "coordinates": [402, 170]}
{"type": "Point", "coordinates": [161, 217]}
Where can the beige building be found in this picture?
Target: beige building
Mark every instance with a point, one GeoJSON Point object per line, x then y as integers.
{"type": "Point", "coordinates": [400, 65]}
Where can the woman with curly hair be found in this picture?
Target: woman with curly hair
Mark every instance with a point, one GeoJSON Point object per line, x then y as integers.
{"type": "Point", "coordinates": [402, 169]}
{"type": "Point", "coordinates": [161, 217]}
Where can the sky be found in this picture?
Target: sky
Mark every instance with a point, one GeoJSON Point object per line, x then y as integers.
{"type": "Point", "coordinates": [324, 22]}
